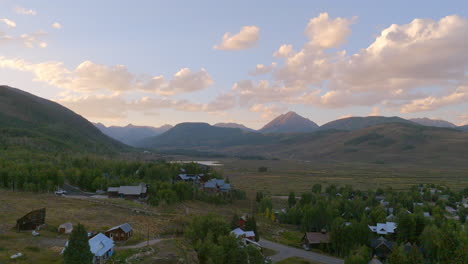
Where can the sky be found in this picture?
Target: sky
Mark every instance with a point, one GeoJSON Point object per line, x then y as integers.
{"type": "Point", "coordinates": [166, 62]}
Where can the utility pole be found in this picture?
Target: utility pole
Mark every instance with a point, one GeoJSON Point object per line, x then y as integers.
{"type": "Point", "coordinates": [147, 241]}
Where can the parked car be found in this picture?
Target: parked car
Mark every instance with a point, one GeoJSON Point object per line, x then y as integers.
{"type": "Point", "coordinates": [60, 192]}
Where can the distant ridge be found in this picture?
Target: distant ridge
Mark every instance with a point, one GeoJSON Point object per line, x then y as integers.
{"type": "Point", "coordinates": [432, 122]}
{"type": "Point", "coordinates": [290, 122]}
{"type": "Point", "coordinates": [131, 134]}
{"type": "Point", "coordinates": [234, 125]}
{"type": "Point", "coordinates": [355, 123]}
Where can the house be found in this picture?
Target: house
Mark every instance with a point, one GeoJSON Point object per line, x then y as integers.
{"type": "Point", "coordinates": [450, 210]}
{"type": "Point", "coordinates": [31, 220]}
{"type": "Point", "coordinates": [381, 247]}
{"type": "Point", "coordinates": [391, 217]}
{"type": "Point", "coordinates": [384, 228]}
{"type": "Point", "coordinates": [65, 228]}
{"type": "Point", "coordinates": [427, 214]}
{"type": "Point", "coordinates": [239, 233]}
{"type": "Point", "coordinates": [120, 233]}
{"type": "Point", "coordinates": [375, 260]}
{"type": "Point", "coordinates": [100, 246]}
{"type": "Point", "coordinates": [129, 192]}
{"type": "Point", "coordinates": [216, 186]}
{"type": "Point", "coordinates": [314, 239]}
{"type": "Point", "coordinates": [190, 177]}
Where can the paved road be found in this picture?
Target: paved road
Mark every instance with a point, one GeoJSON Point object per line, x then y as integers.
{"type": "Point", "coordinates": [286, 252]}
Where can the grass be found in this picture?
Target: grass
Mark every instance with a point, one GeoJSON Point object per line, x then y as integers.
{"type": "Point", "coordinates": [284, 176]}
{"type": "Point", "coordinates": [296, 260]}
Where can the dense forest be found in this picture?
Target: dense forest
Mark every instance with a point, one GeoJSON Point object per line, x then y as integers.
{"type": "Point", "coordinates": [423, 221]}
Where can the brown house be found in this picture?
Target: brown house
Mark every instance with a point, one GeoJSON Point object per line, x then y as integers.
{"type": "Point", "coordinates": [129, 192]}
{"type": "Point", "coordinates": [314, 239]}
{"type": "Point", "coordinates": [120, 233]}
{"type": "Point", "coordinates": [31, 220]}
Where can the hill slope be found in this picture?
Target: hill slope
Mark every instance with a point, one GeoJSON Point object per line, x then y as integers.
{"type": "Point", "coordinates": [33, 123]}
{"type": "Point", "coordinates": [131, 134]}
{"type": "Point", "coordinates": [289, 123]}
{"type": "Point", "coordinates": [355, 123]}
{"type": "Point", "coordinates": [432, 122]}
{"type": "Point", "coordinates": [234, 125]}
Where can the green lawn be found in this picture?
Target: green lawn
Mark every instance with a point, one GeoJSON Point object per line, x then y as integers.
{"type": "Point", "coordinates": [296, 260]}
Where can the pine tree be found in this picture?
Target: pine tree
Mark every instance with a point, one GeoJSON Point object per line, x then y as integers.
{"type": "Point", "coordinates": [291, 199]}
{"type": "Point", "coordinates": [78, 251]}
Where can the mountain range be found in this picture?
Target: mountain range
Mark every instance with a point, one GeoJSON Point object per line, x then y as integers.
{"type": "Point", "coordinates": [131, 134]}
{"type": "Point", "coordinates": [289, 123]}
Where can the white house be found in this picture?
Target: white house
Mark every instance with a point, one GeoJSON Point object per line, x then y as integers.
{"type": "Point", "coordinates": [384, 228]}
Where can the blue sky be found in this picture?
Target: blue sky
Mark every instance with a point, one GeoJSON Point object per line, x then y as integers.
{"type": "Point", "coordinates": [153, 38]}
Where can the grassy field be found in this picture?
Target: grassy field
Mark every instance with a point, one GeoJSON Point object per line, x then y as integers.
{"type": "Point", "coordinates": [284, 176]}
{"type": "Point", "coordinates": [96, 215]}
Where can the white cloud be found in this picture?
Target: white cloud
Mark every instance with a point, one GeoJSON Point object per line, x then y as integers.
{"type": "Point", "coordinates": [23, 11]}
{"type": "Point", "coordinates": [268, 111]}
{"type": "Point", "coordinates": [56, 25]}
{"type": "Point", "coordinates": [460, 95]}
{"type": "Point", "coordinates": [184, 81]}
{"type": "Point", "coordinates": [246, 38]}
{"type": "Point", "coordinates": [283, 51]}
{"type": "Point", "coordinates": [8, 22]}
{"type": "Point", "coordinates": [263, 69]}
{"type": "Point", "coordinates": [324, 32]}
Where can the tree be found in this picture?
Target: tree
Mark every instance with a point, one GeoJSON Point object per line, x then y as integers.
{"type": "Point", "coordinates": [251, 225]}
{"type": "Point", "coordinates": [291, 199]}
{"type": "Point", "coordinates": [398, 256]}
{"type": "Point", "coordinates": [78, 251]}
{"type": "Point", "coordinates": [317, 188]}
{"type": "Point", "coordinates": [415, 256]}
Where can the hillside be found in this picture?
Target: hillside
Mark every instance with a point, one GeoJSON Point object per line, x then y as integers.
{"type": "Point", "coordinates": [234, 125]}
{"type": "Point", "coordinates": [33, 123]}
{"type": "Point", "coordinates": [355, 123]}
{"type": "Point", "coordinates": [432, 122]}
{"type": "Point", "coordinates": [131, 134]}
{"type": "Point", "coordinates": [203, 136]}
{"type": "Point", "coordinates": [392, 143]}
{"type": "Point", "coordinates": [290, 122]}
{"type": "Point", "coordinates": [463, 128]}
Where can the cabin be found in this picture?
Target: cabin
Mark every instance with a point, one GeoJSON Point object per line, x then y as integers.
{"type": "Point", "coordinates": [65, 228]}
{"type": "Point", "coordinates": [381, 247]}
{"type": "Point", "coordinates": [315, 239]}
{"type": "Point", "coordinates": [190, 177]}
{"type": "Point", "coordinates": [100, 246]}
{"type": "Point", "coordinates": [120, 233]}
{"type": "Point", "coordinates": [239, 233]}
{"type": "Point", "coordinates": [384, 228]}
{"type": "Point", "coordinates": [217, 186]}
{"type": "Point", "coordinates": [31, 220]}
{"type": "Point", "coordinates": [129, 192]}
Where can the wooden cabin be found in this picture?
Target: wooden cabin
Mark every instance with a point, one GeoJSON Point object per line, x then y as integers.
{"type": "Point", "coordinates": [120, 233]}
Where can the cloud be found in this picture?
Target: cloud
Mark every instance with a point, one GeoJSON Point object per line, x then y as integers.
{"type": "Point", "coordinates": [268, 111]}
{"type": "Point", "coordinates": [245, 39]}
{"type": "Point", "coordinates": [263, 69]}
{"type": "Point", "coordinates": [393, 70]}
{"type": "Point", "coordinates": [283, 51]}
{"type": "Point", "coordinates": [30, 40]}
{"type": "Point", "coordinates": [324, 32]}
{"type": "Point", "coordinates": [97, 106]}
{"type": "Point", "coordinates": [375, 111]}
{"type": "Point", "coordinates": [56, 25]}
{"type": "Point", "coordinates": [184, 81]}
{"type": "Point", "coordinates": [90, 77]}
{"type": "Point", "coordinates": [8, 22]}
{"type": "Point", "coordinates": [23, 11]}
{"type": "Point", "coordinates": [460, 95]}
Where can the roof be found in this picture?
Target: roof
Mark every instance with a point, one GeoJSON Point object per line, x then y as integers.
{"type": "Point", "coordinates": [214, 183]}
{"type": "Point", "coordinates": [239, 232]}
{"type": "Point", "coordinates": [384, 228]}
{"type": "Point", "coordinates": [381, 241]}
{"type": "Point", "coordinates": [317, 237]}
{"type": "Point", "coordinates": [129, 190]}
{"type": "Point", "coordinates": [375, 260]}
{"type": "Point", "coordinates": [187, 177]}
{"type": "Point", "coordinates": [125, 227]}
{"type": "Point", "coordinates": [100, 244]}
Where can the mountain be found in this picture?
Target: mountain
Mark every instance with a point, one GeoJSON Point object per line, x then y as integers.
{"type": "Point", "coordinates": [463, 128]}
{"type": "Point", "coordinates": [234, 125]}
{"type": "Point", "coordinates": [31, 123]}
{"type": "Point", "coordinates": [203, 135]}
{"type": "Point", "coordinates": [355, 123]}
{"type": "Point", "coordinates": [289, 123]}
{"type": "Point", "coordinates": [389, 143]}
{"type": "Point", "coordinates": [432, 122]}
{"type": "Point", "coordinates": [131, 134]}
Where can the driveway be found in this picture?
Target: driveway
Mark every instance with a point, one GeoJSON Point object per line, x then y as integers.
{"type": "Point", "coordinates": [285, 252]}
{"type": "Point", "coordinates": [143, 244]}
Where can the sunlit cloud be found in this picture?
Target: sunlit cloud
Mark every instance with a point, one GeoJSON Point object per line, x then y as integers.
{"type": "Point", "coordinates": [23, 11]}
{"type": "Point", "coordinates": [246, 38]}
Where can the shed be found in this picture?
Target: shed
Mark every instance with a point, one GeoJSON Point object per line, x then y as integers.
{"type": "Point", "coordinates": [120, 233]}
{"type": "Point", "coordinates": [313, 239]}
{"type": "Point", "coordinates": [65, 228]}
